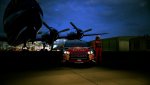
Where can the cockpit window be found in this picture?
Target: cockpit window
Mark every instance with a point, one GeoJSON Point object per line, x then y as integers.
{"type": "Point", "coordinates": [75, 43]}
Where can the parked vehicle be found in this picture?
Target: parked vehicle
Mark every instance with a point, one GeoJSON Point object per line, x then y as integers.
{"type": "Point", "coordinates": [77, 51]}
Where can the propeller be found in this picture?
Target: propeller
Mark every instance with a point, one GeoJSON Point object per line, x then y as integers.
{"type": "Point", "coordinates": [64, 30]}
{"type": "Point", "coordinates": [53, 35]}
{"type": "Point", "coordinates": [50, 28]}
{"type": "Point", "coordinates": [87, 30]}
{"type": "Point", "coordinates": [74, 26]}
{"type": "Point", "coordinates": [81, 33]}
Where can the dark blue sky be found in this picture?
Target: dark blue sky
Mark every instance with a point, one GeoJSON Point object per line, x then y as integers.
{"type": "Point", "coordinates": [117, 17]}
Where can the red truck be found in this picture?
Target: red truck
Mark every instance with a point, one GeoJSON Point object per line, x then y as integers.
{"type": "Point", "coordinates": [77, 51]}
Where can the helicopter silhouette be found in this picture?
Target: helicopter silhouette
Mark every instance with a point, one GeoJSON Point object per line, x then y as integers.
{"type": "Point", "coordinates": [79, 34]}
{"type": "Point", "coordinates": [22, 20]}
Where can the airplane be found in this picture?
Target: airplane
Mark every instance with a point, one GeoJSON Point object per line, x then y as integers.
{"type": "Point", "coordinates": [22, 20]}
{"type": "Point", "coordinates": [47, 38]}
{"type": "Point", "coordinates": [79, 34]}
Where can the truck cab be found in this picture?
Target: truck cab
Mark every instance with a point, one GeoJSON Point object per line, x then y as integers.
{"type": "Point", "coordinates": [77, 51]}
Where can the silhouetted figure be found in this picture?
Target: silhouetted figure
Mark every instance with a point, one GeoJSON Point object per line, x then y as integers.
{"type": "Point", "coordinates": [97, 45]}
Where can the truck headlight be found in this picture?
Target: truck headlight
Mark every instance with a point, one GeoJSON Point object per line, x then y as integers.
{"type": "Point", "coordinates": [66, 52]}
{"type": "Point", "coordinates": [90, 52]}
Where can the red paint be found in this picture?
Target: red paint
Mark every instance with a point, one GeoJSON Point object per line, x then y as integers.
{"type": "Point", "coordinates": [97, 45]}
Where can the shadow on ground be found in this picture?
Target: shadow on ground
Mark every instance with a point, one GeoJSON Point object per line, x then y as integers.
{"type": "Point", "coordinates": [25, 60]}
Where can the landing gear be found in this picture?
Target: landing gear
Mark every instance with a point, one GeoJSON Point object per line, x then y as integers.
{"type": "Point", "coordinates": [25, 48]}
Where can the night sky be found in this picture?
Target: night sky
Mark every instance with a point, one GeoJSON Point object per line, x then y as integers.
{"type": "Point", "coordinates": [116, 17]}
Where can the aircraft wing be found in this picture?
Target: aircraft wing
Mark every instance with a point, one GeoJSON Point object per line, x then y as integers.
{"type": "Point", "coordinates": [62, 37]}
{"type": "Point", "coordinates": [38, 39]}
{"type": "Point", "coordinates": [94, 34]}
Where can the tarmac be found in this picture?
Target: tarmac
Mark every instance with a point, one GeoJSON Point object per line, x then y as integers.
{"type": "Point", "coordinates": [77, 76]}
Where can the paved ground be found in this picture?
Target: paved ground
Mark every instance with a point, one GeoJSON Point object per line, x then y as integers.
{"type": "Point", "coordinates": [76, 76]}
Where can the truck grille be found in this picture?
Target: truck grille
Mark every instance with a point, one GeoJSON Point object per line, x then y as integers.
{"type": "Point", "coordinates": [79, 55]}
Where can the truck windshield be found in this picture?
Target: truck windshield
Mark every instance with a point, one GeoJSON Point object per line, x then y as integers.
{"type": "Point", "coordinates": [75, 43]}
